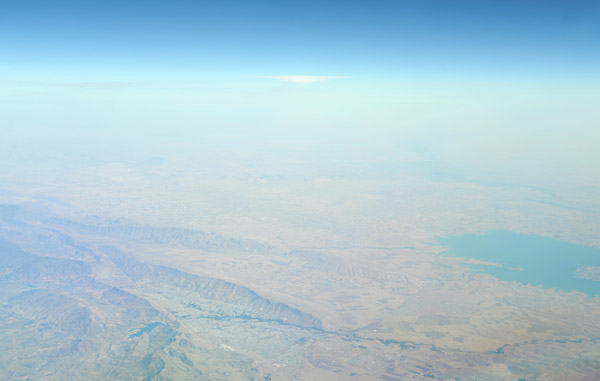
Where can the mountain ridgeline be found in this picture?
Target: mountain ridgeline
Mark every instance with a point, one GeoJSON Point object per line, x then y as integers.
{"type": "Point", "coordinates": [84, 305]}
{"type": "Point", "coordinates": [192, 239]}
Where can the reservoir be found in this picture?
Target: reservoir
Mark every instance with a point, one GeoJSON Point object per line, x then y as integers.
{"type": "Point", "coordinates": [531, 260]}
{"type": "Point", "coordinates": [147, 328]}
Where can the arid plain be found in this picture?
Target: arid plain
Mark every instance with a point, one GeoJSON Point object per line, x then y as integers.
{"type": "Point", "coordinates": [321, 265]}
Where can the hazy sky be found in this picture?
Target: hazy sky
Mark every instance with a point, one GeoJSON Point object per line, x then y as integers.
{"type": "Point", "coordinates": [456, 79]}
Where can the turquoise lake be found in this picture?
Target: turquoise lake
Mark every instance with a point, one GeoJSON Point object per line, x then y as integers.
{"type": "Point", "coordinates": [147, 328]}
{"type": "Point", "coordinates": [528, 259]}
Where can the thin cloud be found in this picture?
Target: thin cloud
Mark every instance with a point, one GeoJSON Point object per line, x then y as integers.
{"type": "Point", "coordinates": [302, 78]}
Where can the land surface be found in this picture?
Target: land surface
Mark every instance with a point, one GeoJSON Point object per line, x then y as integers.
{"type": "Point", "coordinates": [185, 268]}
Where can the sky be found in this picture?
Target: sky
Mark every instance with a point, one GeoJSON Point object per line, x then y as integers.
{"type": "Point", "coordinates": [457, 79]}
{"type": "Point", "coordinates": [456, 39]}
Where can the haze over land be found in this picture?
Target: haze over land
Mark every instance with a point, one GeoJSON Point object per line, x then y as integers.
{"type": "Point", "coordinates": [299, 193]}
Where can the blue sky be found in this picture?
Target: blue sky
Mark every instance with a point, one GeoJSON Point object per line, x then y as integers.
{"type": "Point", "coordinates": [501, 87]}
{"type": "Point", "coordinates": [460, 39]}
{"type": "Point", "coordinates": [446, 76]}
